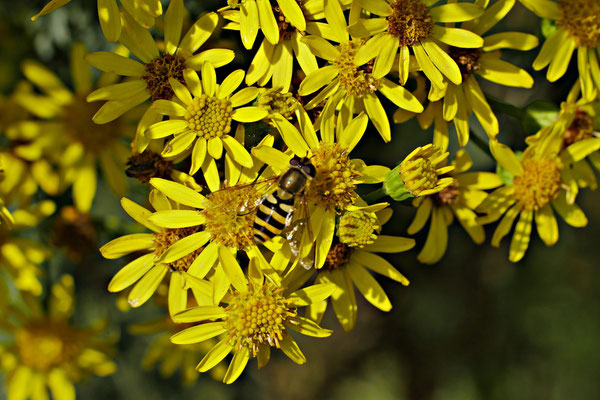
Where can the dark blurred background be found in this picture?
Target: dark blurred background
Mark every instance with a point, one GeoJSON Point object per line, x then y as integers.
{"type": "Point", "coordinates": [473, 326]}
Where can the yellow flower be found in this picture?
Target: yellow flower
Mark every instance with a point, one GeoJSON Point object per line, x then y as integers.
{"type": "Point", "coordinates": [458, 199]}
{"type": "Point", "coordinates": [66, 136]}
{"type": "Point", "coordinates": [337, 175]}
{"type": "Point", "coordinates": [143, 11]}
{"type": "Point", "coordinates": [168, 250]}
{"type": "Point", "coordinates": [421, 173]}
{"type": "Point", "coordinates": [415, 24]}
{"type": "Point", "coordinates": [284, 23]}
{"type": "Point", "coordinates": [537, 190]}
{"type": "Point", "coordinates": [49, 353]}
{"type": "Point", "coordinates": [21, 254]}
{"type": "Point", "coordinates": [255, 317]}
{"type": "Point", "coordinates": [150, 77]}
{"type": "Point", "coordinates": [457, 102]}
{"type": "Point", "coordinates": [578, 28]}
{"type": "Point", "coordinates": [576, 122]}
{"type": "Point", "coordinates": [349, 260]}
{"type": "Point", "coordinates": [202, 125]}
{"type": "Point", "coordinates": [346, 82]}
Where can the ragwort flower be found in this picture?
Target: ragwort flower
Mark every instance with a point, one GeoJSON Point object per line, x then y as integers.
{"type": "Point", "coordinates": [347, 82]}
{"type": "Point", "coordinates": [459, 199]}
{"type": "Point", "coordinates": [143, 11]}
{"type": "Point", "coordinates": [255, 316]}
{"type": "Point", "coordinates": [578, 28]}
{"type": "Point", "coordinates": [150, 77]}
{"type": "Point", "coordinates": [66, 138]}
{"type": "Point", "coordinates": [168, 250]}
{"type": "Point", "coordinates": [48, 352]}
{"type": "Point", "coordinates": [539, 188]}
{"type": "Point", "coordinates": [201, 124]}
{"type": "Point", "coordinates": [415, 24]}
{"type": "Point", "coordinates": [349, 261]}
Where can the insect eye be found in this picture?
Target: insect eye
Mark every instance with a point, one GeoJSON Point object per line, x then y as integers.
{"type": "Point", "coordinates": [295, 162]}
{"type": "Point", "coordinates": [309, 170]}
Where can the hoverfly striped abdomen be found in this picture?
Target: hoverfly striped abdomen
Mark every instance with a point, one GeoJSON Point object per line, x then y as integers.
{"type": "Point", "coordinates": [275, 210]}
{"type": "Point", "coordinates": [272, 215]}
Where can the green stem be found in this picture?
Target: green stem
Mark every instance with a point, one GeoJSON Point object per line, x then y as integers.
{"type": "Point", "coordinates": [483, 146]}
{"type": "Point", "coordinates": [374, 195]}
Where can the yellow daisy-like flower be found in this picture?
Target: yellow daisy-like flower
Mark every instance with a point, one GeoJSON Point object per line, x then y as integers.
{"type": "Point", "coordinates": [416, 25]}
{"type": "Point", "coordinates": [49, 353]}
{"type": "Point", "coordinates": [143, 11]}
{"type": "Point", "coordinates": [576, 122]}
{"type": "Point", "coordinates": [458, 199]}
{"type": "Point", "coordinates": [347, 82]}
{"type": "Point", "coordinates": [422, 173]}
{"type": "Point", "coordinates": [150, 77]}
{"type": "Point", "coordinates": [201, 120]}
{"type": "Point", "coordinates": [578, 28]}
{"type": "Point", "coordinates": [456, 102]}
{"type": "Point", "coordinates": [283, 23]}
{"type": "Point", "coordinates": [332, 190]}
{"type": "Point", "coordinates": [349, 261]}
{"type": "Point", "coordinates": [536, 191]}
{"type": "Point", "coordinates": [223, 216]}
{"type": "Point", "coordinates": [66, 138]}
{"type": "Point", "coordinates": [168, 250]}
{"type": "Point", "coordinates": [255, 316]}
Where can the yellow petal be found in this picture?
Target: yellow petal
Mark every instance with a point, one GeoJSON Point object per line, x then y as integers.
{"type": "Point", "coordinates": [178, 192]}
{"type": "Point", "coordinates": [131, 273]}
{"type": "Point", "coordinates": [520, 240]}
{"type": "Point", "coordinates": [146, 286]}
{"type": "Point", "coordinates": [199, 333]}
{"type": "Point", "coordinates": [547, 226]}
{"type": "Point", "coordinates": [215, 355]}
{"type": "Point", "coordinates": [127, 244]}
{"type": "Point", "coordinates": [378, 264]}
{"type": "Point", "coordinates": [368, 286]}
{"type": "Point", "coordinates": [238, 363]}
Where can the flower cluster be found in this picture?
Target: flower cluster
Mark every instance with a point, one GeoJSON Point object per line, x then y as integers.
{"type": "Point", "coordinates": [254, 199]}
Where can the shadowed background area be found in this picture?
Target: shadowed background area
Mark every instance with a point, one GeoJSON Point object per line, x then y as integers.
{"type": "Point", "coordinates": [473, 326]}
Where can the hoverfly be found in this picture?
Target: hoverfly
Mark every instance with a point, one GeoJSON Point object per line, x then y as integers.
{"type": "Point", "coordinates": [278, 212]}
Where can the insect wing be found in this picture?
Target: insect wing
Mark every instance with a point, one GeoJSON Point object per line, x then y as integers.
{"type": "Point", "coordinates": [264, 187]}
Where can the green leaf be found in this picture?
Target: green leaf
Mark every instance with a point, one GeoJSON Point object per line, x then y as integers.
{"type": "Point", "coordinates": [538, 115]}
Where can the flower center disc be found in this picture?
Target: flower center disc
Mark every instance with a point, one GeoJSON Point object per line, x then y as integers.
{"type": "Point", "coordinates": [538, 185]}
{"type": "Point", "coordinates": [338, 256]}
{"type": "Point", "coordinates": [209, 117]}
{"type": "Point", "coordinates": [42, 346]}
{"type": "Point", "coordinates": [447, 195]}
{"type": "Point", "coordinates": [167, 238]}
{"type": "Point", "coordinates": [357, 80]}
{"type": "Point", "coordinates": [157, 73]}
{"type": "Point", "coordinates": [466, 59]}
{"type": "Point", "coordinates": [258, 317]}
{"type": "Point", "coordinates": [581, 20]}
{"type": "Point", "coordinates": [409, 21]}
{"type": "Point", "coordinates": [229, 216]}
{"type": "Point", "coordinates": [334, 184]}
{"type": "Point", "coordinates": [357, 228]}
{"type": "Point", "coordinates": [581, 128]}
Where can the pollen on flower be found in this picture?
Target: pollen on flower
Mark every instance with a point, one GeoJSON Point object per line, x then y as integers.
{"type": "Point", "coordinates": [157, 73]}
{"type": "Point", "coordinates": [229, 216]}
{"type": "Point", "coordinates": [358, 228]}
{"type": "Point", "coordinates": [334, 183]}
{"type": "Point", "coordinates": [409, 21]}
{"type": "Point", "coordinates": [278, 103]}
{"type": "Point", "coordinates": [581, 20]}
{"type": "Point", "coordinates": [538, 185]}
{"type": "Point", "coordinates": [419, 172]}
{"type": "Point", "coordinates": [581, 128]}
{"type": "Point", "coordinates": [466, 59]}
{"type": "Point", "coordinates": [44, 344]}
{"type": "Point", "coordinates": [167, 238]}
{"type": "Point", "coordinates": [447, 195]}
{"type": "Point", "coordinates": [209, 117]}
{"type": "Point", "coordinates": [78, 125]}
{"type": "Point", "coordinates": [338, 256]}
{"type": "Point", "coordinates": [148, 164]}
{"type": "Point", "coordinates": [357, 80]}
{"type": "Point", "coordinates": [257, 317]}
